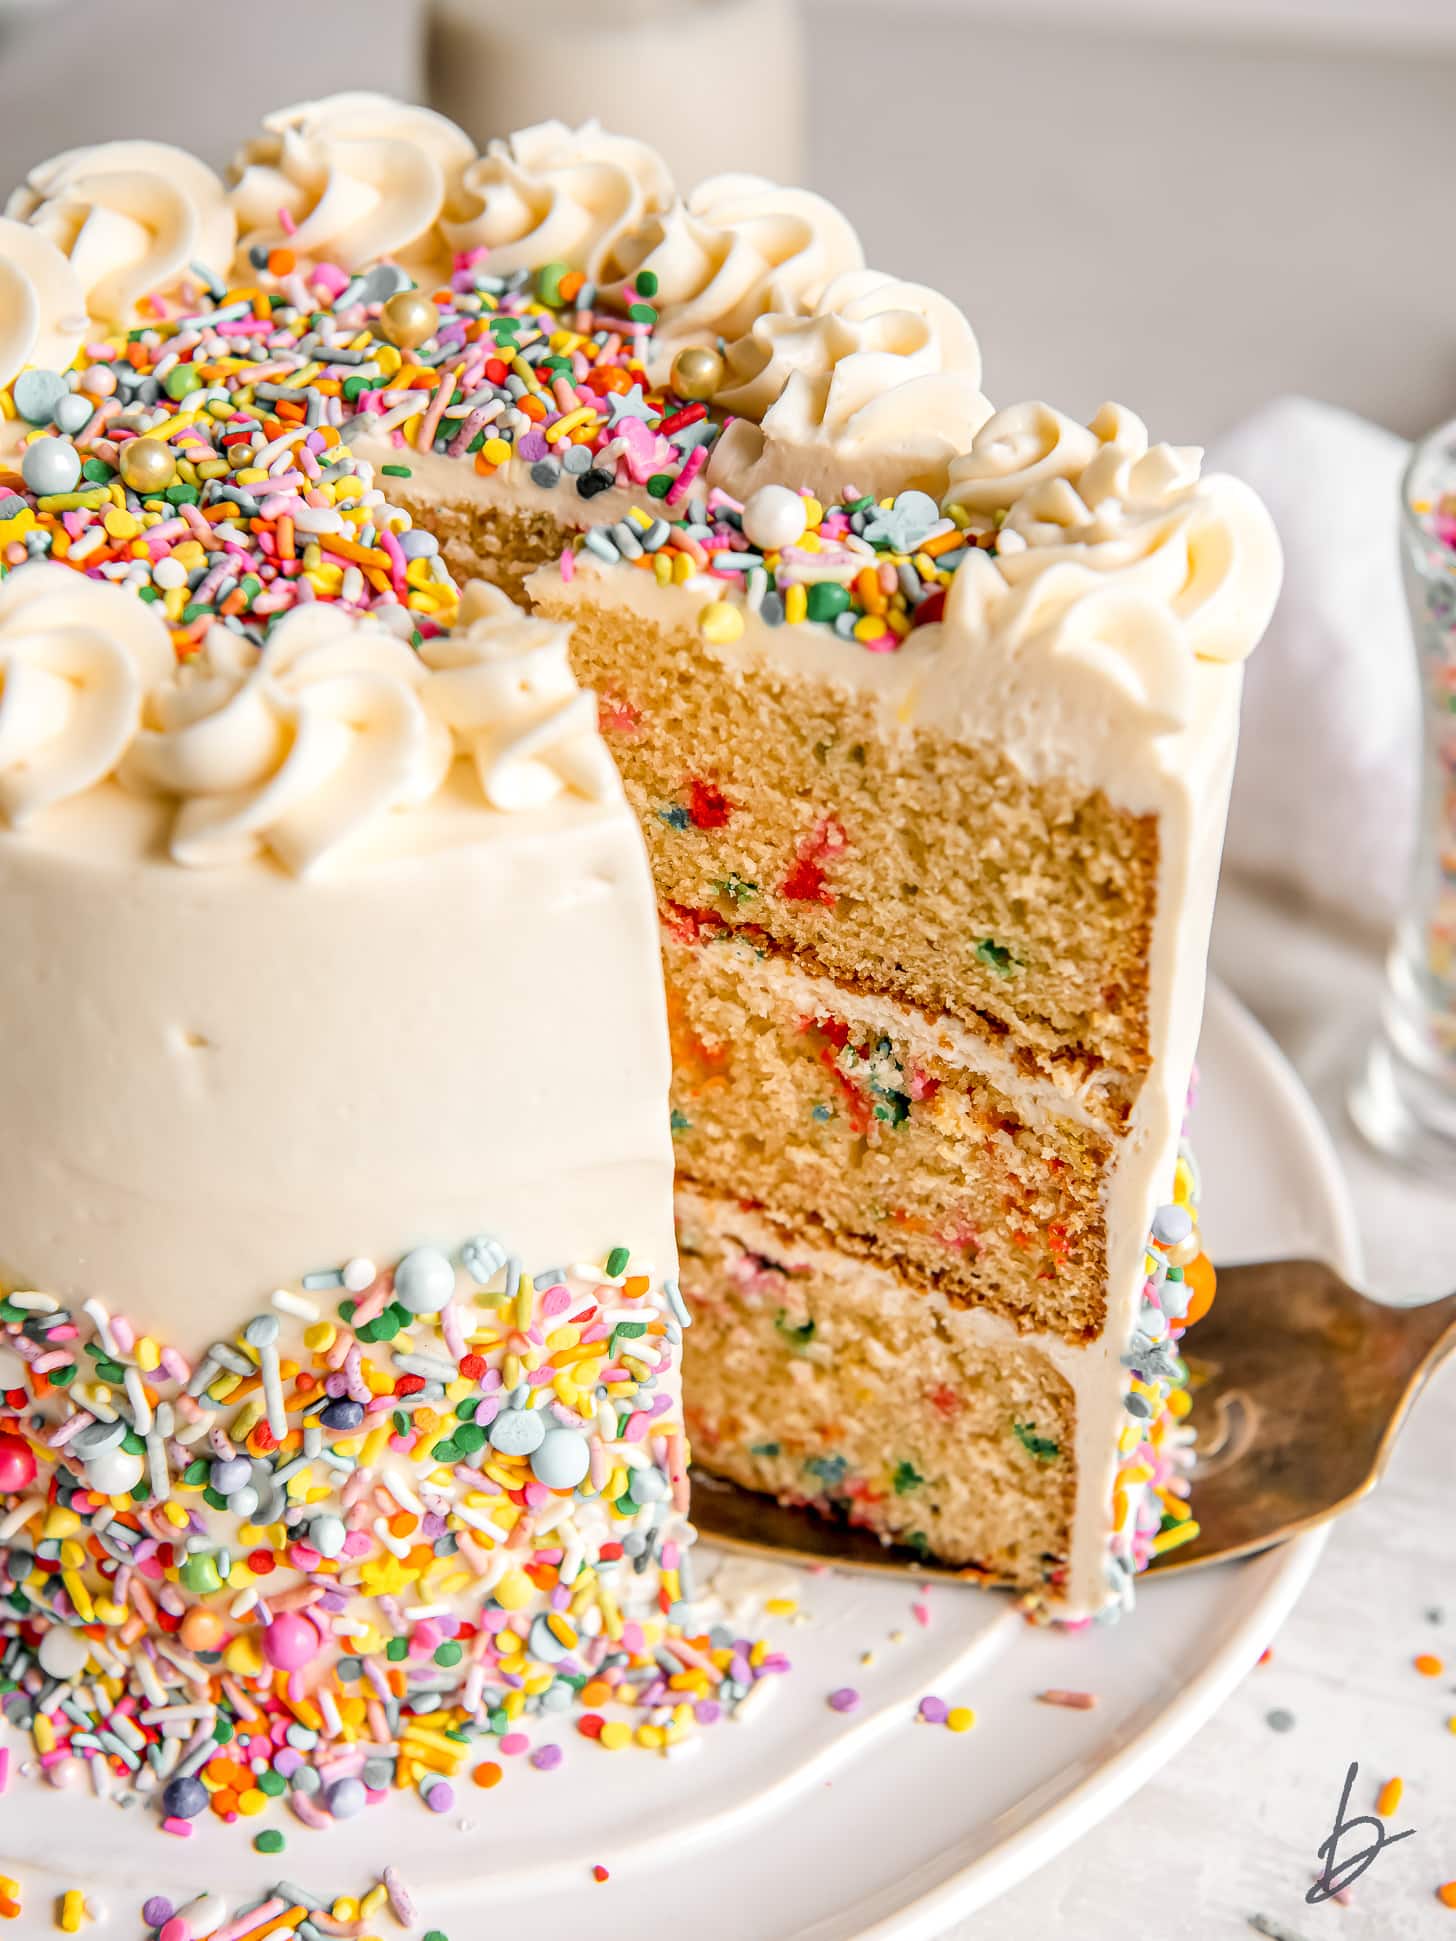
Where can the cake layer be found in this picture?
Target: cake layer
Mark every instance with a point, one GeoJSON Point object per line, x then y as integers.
{"type": "Point", "coordinates": [909, 1139]}
{"type": "Point", "coordinates": [783, 801]}
{"type": "Point", "coordinates": [824, 1380]}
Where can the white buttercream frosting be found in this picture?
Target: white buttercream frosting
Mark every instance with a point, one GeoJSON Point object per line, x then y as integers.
{"type": "Point", "coordinates": [352, 178]}
{"type": "Point", "coordinates": [738, 246]}
{"type": "Point", "coordinates": [76, 658]}
{"type": "Point", "coordinates": [553, 194]}
{"type": "Point", "coordinates": [502, 684]}
{"type": "Point", "coordinates": [42, 305]}
{"type": "Point", "coordinates": [1101, 501]}
{"type": "Point", "coordinates": [879, 386]}
{"type": "Point", "coordinates": [293, 749]}
{"type": "Point", "coordinates": [132, 216]}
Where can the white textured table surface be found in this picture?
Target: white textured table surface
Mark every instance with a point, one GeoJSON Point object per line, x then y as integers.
{"type": "Point", "coordinates": [1232, 1827]}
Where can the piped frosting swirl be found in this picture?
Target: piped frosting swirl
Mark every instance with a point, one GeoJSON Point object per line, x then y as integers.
{"type": "Point", "coordinates": [737, 247]}
{"type": "Point", "coordinates": [133, 217]}
{"type": "Point", "coordinates": [352, 178]}
{"type": "Point", "coordinates": [76, 658]}
{"type": "Point", "coordinates": [1101, 500]}
{"type": "Point", "coordinates": [553, 194]}
{"type": "Point", "coordinates": [879, 385]}
{"type": "Point", "coordinates": [42, 304]}
{"type": "Point", "coordinates": [502, 684]}
{"type": "Point", "coordinates": [294, 750]}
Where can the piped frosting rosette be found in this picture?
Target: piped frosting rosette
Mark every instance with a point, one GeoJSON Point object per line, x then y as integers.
{"type": "Point", "coordinates": [296, 749]}
{"type": "Point", "coordinates": [878, 387]}
{"type": "Point", "coordinates": [42, 305]}
{"type": "Point", "coordinates": [502, 685]}
{"type": "Point", "coordinates": [738, 247]}
{"type": "Point", "coordinates": [351, 179]}
{"type": "Point", "coordinates": [1100, 498]}
{"type": "Point", "coordinates": [553, 194]}
{"type": "Point", "coordinates": [133, 217]}
{"type": "Point", "coordinates": [77, 657]}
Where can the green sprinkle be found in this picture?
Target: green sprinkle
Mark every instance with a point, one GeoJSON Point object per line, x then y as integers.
{"type": "Point", "coordinates": [906, 1478]}
{"type": "Point", "coordinates": [827, 600]}
{"type": "Point", "coordinates": [197, 1472]}
{"type": "Point", "coordinates": [765, 1449]}
{"type": "Point", "coordinates": [270, 1840]}
{"type": "Point", "coordinates": [801, 1335]}
{"type": "Point", "coordinates": [642, 313]}
{"type": "Point", "coordinates": [660, 484]}
{"type": "Point", "coordinates": [735, 889]}
{"type": "Point", "coordinates": [1041, 1447]}
{"type": "Point", "coordinates": [617, 1260]}
{"type": "Point", "coordinates": [271, 1783]}
{"type": "Point", "coordinates": [397, 1650]}
{"type": "Point", "coordinates": [645, 286]}
{"type": "Point", "coordinates": [679, 1121]}
{"type": "Point", "coordinates": [996, 957]}
{"type": "Point", "coordinates": [448, 1654]}
{"type": "Point", "coordinates": [222, 1732]}
{"type": "Point", "coordinates": [397, 471]}
{"type": "Point", "coordinates": [446, 1451]}
{"type": "Point", "coordinates": [181, 381]}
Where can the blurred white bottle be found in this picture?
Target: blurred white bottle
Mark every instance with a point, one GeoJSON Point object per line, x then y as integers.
{"type": "Point", "coordinates": [711, 84]}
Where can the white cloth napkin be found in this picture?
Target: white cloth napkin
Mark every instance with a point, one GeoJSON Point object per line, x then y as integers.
{"type": "Point", "coordinates": [1324, 799]}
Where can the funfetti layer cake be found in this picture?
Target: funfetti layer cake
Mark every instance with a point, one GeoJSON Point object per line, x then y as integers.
{"type": "Point", "coordinates": [927, 714]}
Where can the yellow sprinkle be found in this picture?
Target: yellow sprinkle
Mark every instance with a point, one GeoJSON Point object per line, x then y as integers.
{"type": "Point", "coordinates": [720, 622]}
{"type": "Point", "coordinates": [960, 1718]}
{"type": "Point", "coordinates": [44, 1734]}
{"type": "Point", "coordinates": [781, 1606]}
{"type": "Point", "coordinates": [373, 1901]}
{"type": "Point", "coordinates": [796, 604]}
{"type": "Point", "coordinates": [813, 513]}
{"type": "Point", "coordinates": [1170, 1539]}
{"type": "Point", "coordinates": [72, 1911]}
{"type": "Point", "coordinates": [615, 1734]}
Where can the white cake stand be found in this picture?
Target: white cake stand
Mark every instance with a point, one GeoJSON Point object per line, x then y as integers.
{"type": "Point", "coordinates": [802, 1821]}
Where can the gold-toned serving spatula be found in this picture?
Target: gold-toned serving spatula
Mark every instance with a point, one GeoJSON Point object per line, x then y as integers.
{"type": "Point", "coordinates": [1299, 1384]}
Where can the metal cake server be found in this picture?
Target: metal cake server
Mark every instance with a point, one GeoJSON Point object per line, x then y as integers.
{"type": "Point", "coordinates": [1299, 1384]}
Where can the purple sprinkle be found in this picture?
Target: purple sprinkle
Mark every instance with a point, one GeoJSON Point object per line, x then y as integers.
{"type": "Point", "coordinates": [740, 1671]}
{"type": "Point", "coordinates": [157, 1912]}
{"type": "Point", "coordinates": [441, 1798]}
{"type": "Point", "coordinates": [707, 1711]}
{"type": "Point", "coordinates": [547, 1758]}
{"type": "Point", "coordinates": [934, 1711]}
{"type": "Point", "coordinates": [532, 446]}
{"type": "Point", "coordinates": [844, 1700]}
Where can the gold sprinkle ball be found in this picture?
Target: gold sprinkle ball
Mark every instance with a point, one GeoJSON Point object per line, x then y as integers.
{"type": "Point", "coordinates": [696, 373]}
{"type": "Point", "coordinates": [147, 465]}
{"type": "Point", "coordinates": [409, 319]}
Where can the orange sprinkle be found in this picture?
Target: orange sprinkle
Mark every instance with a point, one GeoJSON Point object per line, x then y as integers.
{"type": "Point", "coordinates": [595, 1692]}
{"type": "Point", "coordinates": [1390, 1798]}
{"type": "Point", "coordinates": [487, 1774]}
{"type": "Point", "coordinates": [1447, 1895]}
{"type": "Point", "coordinates": [282, 262]}
{"type": "Point", "coordinates": [1428, 1665]}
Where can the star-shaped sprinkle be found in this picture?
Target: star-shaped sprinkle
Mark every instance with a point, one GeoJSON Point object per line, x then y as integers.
{"type": "Point", "coordinates": [629, 404]}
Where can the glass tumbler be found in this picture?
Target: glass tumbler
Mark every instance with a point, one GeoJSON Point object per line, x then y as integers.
{"type": "Point", "coordinates": [1404, 1097]}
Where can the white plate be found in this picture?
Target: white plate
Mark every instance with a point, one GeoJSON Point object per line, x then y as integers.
{"type": "Point", "coordinates": [801, 1821]}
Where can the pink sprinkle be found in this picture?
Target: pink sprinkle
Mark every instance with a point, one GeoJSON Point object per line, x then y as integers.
{"type": "Point", "coordinates": [181, 1829]}
{"type": "Point", "coordinates": [921, 1614]}
{"type": "Point", "coordinates": [4, 1768]}
{"type": "Point", "coordinates": [286, 223]}
{"type": "Point", "coordinates": [1071, 1701]}
{"type": "Point", "coordinates": [568, 564]}
{"type": "Point", "coordinates": [514, 1742]}
{"type": "Point", "coordinates": [556, 1299]}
